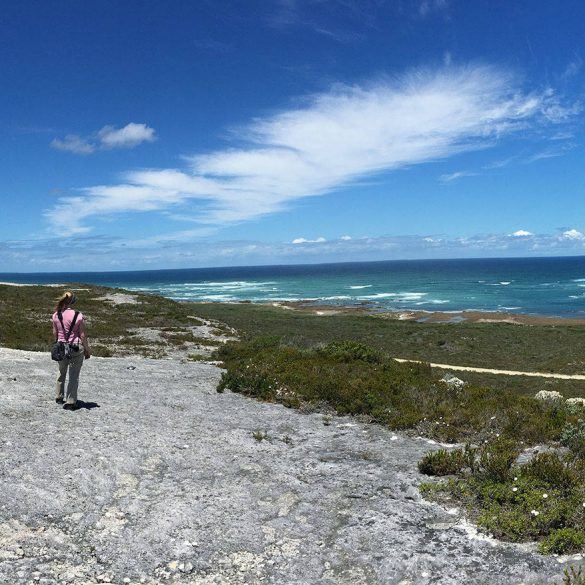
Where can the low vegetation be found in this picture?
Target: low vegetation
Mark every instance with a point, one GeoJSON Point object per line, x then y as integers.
{"type": "Point", "coordinates": [542, 499]}
{"type": "Point", "coordinates": [545, 348]}
{"type": "Point", "coordinates": [114, 328]}
{"type": "Point", "coordinates": [356, 379]}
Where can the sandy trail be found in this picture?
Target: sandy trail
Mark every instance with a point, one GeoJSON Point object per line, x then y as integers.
{"type": "Point", "coordinates": [160, 480]}
{"type": "Point", "coordinates": [502, 372]}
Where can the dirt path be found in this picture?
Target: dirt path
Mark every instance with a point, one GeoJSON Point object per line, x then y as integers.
{"type": "Point", "coordinates": [160, 479]}
{"type": "Point", "coordinates": [502, 372]}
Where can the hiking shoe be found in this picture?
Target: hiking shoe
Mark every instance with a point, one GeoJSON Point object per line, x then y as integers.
{"type": "Point", "coordinates": [59, 401]}
{"type": "Point", "coordinates": [70, 407]}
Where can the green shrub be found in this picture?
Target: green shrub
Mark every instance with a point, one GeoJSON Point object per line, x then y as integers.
{"type": "Point", "coordinates": [573, 437]}
{"type": "Point", "coordinates": [341, 375]}
{"type": "Point", "coordinates": [496, 459]}
{"type": "Point", "coordinates": [563, 541]}
{"type": "Point", "coordinates": [548, 469]}
{"type": "Point", "coordinates": [539, 500]}
{"type": "Point", "coordinates": [348, 351]}
{"type": "Point", "coordinates": [260, 435]}
{"type": "Point", "coordinates": [443, 462]}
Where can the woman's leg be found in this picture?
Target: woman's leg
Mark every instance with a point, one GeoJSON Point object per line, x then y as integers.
{"type": "Point", "coordinates": [61, 379]}
{"type": "Point", "coordinates": [75, 364]}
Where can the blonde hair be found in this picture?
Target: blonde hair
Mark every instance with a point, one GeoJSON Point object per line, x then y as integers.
{"type": "Point", "coordinates": [64, 301]}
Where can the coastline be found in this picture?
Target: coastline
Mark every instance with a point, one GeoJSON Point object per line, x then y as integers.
{"type": "Point", "coordinates": [311, 306]}
{"type": "Point", "coordinates": [417, 315]}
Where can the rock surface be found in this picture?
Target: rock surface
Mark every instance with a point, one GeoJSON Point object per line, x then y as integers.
{"type": "Point", "coordinates": [160, 479]}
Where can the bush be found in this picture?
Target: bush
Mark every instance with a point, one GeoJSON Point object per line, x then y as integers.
{"type": "Point", "coordinates": [354, 378]}
{"type": "Point", "coordinates": [496, 459]}
{"type": "Point", "coordinates": [348, 351]}
{"type": "Point", "coordinates": [443, 462]}
{"type": "Point", "coordinates": [573, 437]}
{"type": "Point", "coordinates": [347, 376]}
{"type": "Point", "coordinates": [548, 469]}
{"type": "Point", "coordinates": [540, 500]}
{"type": "Point", "coordinates": [563, 541]}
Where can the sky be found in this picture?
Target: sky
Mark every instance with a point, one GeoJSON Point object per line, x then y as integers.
{"type": "Point", "coordinates": [151, 134]}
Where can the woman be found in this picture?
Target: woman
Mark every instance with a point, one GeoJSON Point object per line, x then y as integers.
{"type": "Point", "coordinates": [69, 327]}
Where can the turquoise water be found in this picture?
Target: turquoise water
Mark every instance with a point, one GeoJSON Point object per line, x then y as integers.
{"type": "Point", "coordinates": [546, 286]}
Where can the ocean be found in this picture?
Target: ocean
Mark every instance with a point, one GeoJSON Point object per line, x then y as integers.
{"type": "Point", "coordinates": [542, 286]}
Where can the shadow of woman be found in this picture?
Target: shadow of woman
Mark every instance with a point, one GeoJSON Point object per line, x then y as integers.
{"type": "Point", "coordinates": [87, 405]}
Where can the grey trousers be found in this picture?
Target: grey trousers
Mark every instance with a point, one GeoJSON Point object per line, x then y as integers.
{"type": "Point", "coordinates": [73, 365]}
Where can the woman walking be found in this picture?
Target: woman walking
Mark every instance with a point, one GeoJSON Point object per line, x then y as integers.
{"type": "Point", "coordinates": [69, 327]}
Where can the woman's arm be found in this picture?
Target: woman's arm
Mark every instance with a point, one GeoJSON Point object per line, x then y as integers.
{"type": "Point", "coordinates": [84, 341]}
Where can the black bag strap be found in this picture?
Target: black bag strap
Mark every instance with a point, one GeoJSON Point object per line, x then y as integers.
{"type": "Point", "coordinates": [67, 334]}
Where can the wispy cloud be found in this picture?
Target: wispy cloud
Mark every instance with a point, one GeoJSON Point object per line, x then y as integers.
{"type": "Point", "coordinates": [212, 45]}
{"type": "Point", "coordinates": [351, 16]}
{"type": "Point", "coordinates": [428, 7]}
{"type": "Point", "coordinates": [501, 163]}
{"type": "Point", "coordinates": [336, 138]}
{"type": "Point", "coordinates": [107, 138]}
{"type": "Point", "coordinates": [450, 177]}
{"type": "Point", "coordinates": [547, 153]}
{"type": "Point", "coordinates": [573, 67]}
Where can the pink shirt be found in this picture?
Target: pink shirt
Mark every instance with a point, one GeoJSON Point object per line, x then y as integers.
{"type": "Point", "coordinates": [67, 318]}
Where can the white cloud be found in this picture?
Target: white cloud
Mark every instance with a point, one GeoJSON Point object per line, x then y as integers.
{"type": "Point", "coordinates": [107, 138]}
{"type": "Point", "coordinates": [573, 234]}
{"type": "Point", "coordinates": [335, 139]}
{"type": "Point", "coordinates": [345, 238]}
{"type": "Point", "coordinates": [318, 240]}
{"type": "Point", "coordinates": [522, 234]}
{"type": "Point", "coordinates": [73, 143]}
{"type": "Point", "coordinates": [129, 136]}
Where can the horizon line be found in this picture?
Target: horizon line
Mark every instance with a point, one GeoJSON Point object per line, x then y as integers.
{"type": "Point", "coordinates": [394, 260]}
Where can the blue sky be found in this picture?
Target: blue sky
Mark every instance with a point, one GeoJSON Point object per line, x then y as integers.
{"type": "Point", "coordinates": [151, 134]}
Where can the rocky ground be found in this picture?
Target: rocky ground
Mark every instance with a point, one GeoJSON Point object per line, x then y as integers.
{"type": "Point", "coordinates": [159, 479]}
